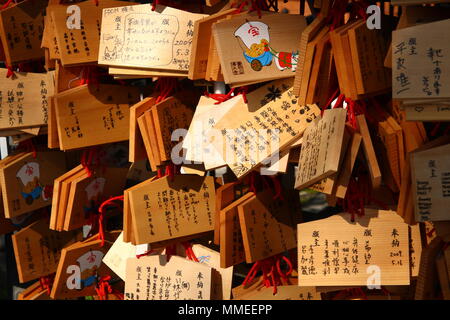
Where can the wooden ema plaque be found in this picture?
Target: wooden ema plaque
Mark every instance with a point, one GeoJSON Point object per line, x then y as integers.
{"type": "Point", "coordinates": [136, 36]}
{"type": "Point", "coordinates": [87, 255]}
{"type": "Point", "coordinates": [79, 46]}
{"type": "Point", "coordinates": [26, 182]}
{"type": "Point", "coordinates": [321, 148]}
{"type": "Point", "coordinates": [267, 226]}
{"type": "Point", "coordinates": [270, 122]}
{"type": "Point", "coordinates": [373, 250]}
{"type": "Point", "coordinates": [168, 208]}
{"type": "Point", "coordinates": [430, 170]}
{"type": "Point", "coordinates": [37, 249]}
{"type": "Point", "coordinates": [25, 99]}
{"type": "Point", "coordinates": [92, 115]}
{"type": "Point", "coordinates": [156, 278]}
{"type": "Point", "coordinates": [22, 27]}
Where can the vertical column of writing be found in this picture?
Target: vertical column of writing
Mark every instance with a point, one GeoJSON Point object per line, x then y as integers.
{"type": "Point", "coordinates": [138, 282]}
{"type": "Point", "coordinates": [154, 282]}
{"type": "Point", "coordinates": [149, 213]}
{"type": "Point", "coordinates": [20, 98]}
{"type": "Point", "coordinates": [396, 254]}
{"type": "Point", "coordinates": [367, 246]}
{"type": "Point", "coordinates": [355, 256]}
{"type": "Point", "coordinates": [346, 257]}
{"type": "Point", "coordinates": [200, 286]}
{"type": "Point", "coordinates": [148, 280]}
{"type": "Point", "coordinates": [336, 256]}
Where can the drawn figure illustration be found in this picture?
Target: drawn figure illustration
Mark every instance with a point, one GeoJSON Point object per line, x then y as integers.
{"type": "Point", "coordinates": [89, 264]}
{"type": "Point", "coordinates": [32, 189]}
{"type": "Point", "coordinates": [94, 190]}
{"type": "Point", "coordinates": [259, 53]}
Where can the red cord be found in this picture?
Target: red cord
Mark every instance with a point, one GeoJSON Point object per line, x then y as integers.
{"type": "Point", "coordinates": [6, 5]}
{"type": "Point", "coordinates": [146, 253]}
{"type": "Point", "coordinates": [28, 145]}
{"type": "Point", "coordinates": [46, 283]}
{"type": "Point", "coordinates": [103, 288]}
{"type": "Point", "coordinates": [271, 271]}
{"type": "Point", "coordinates": [189, 251]}
{"type": "Point", "coordinates": [101, 209]}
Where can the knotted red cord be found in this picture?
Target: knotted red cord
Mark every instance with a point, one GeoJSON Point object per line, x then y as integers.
{"type": "Point", "coordinates": [46, 283]}
{"type": "Point", "coordinates": [101, 211]}
{"type": "Point", "coordinates": [359, 194]}
{"type": "Point", "coordinates": [278, 188]}
{"type": "Point", "coordinates": [103, 288]}
{"type": "Point", "coordinates": [430, 233]}
{"type": "Point", "coordinates": [336, 15]}
{"type": "Point", "coordinates": [240, 8]}
{"type": "Point", "coordinates": [220, 97]}
{"type": "Point", "coordinates": [170, 171]}
{"type": "Point", "coordinates": [91, 75]}
{"type": "Point", "coordinates": [154, 4]}
{"type": "Point", "coordinates": [271, 272]}
{"type": "Point", "coordinates": [329, 101]}
{"type": "Point", "coordinates": [28, 145]}
{"type": "Point", "coordinates": [165, 86]}
{"type": "Point", "coordinates": [6, 5]}
{"type": "Point", "coordinates": [146, 253]}
{"type": "Point", "coordinates": [189, 251]}
{"type": "Point", "coordinates": [258, 6]}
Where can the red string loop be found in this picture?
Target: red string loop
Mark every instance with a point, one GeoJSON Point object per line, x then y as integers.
{"type": "Point", "coordinates": [46, 283]}
{"type": "Point", "coordinates": [101, 211]}
{"type": "Point", "coordinates": [189, 251]}
{"type": "Point", "coordinates": [271, 271]}
{"type": "Point", "coordinates": [28, 145]}
{"type": "Point", "coordinates": [103, 288]}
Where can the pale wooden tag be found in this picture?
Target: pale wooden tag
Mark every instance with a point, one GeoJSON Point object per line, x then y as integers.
{"type": "Point", "coordinates": [155, 278]}
{"type": "Point", "coordinates": [369, 151]}
{"type": "Point", "coordinates": [431, 183]}
{"type": "Point", "coordinates": [79, 45]}
{"type": "Point", "coordinates": [415, 249]}
{"type": "Point", "coordinates": [136, 36]}
{"type": "Point", "coordinates": [206, 115]}
{"type": "Point", "coordinates": [86, 192]}
{"type": "Point", "coordinates": [22, 27]}
{"type": "Point", "coordinates": [368, 48]}
{"type": "Point", "coordinates": [270, 122]}
{"type": "Point", "coordinates": [91, 115]}
{"type": "Point", "coordinates": [86, 255]}
{"type": "Point", "coordinates": [231, 245]}
{"type": "Point", "coordinates": [334, 251]}
{"type": "Point", "coordinates": [221, 277]}
{"type": "Point", "coordinates": [419, 55]}
{"type": "Point", "coordinates": [137, 148]}
{"type": "Point", "coordinates": [321, 148]}
{"type": "Point", "coordinates": [25, 99]}
{"type": "Point", "coordinates": [434, 112]}
{"type": "Point", "coordinates": [267, 226]}
{"type": "Point", "coordinates": [290, 292]}
{"type": "Point", "coordinates": [172, 208]}
{"type": "Point", "coordinates": [168, 116]}
{"type": "Point", "coordinates": [201, 44]}
{"type": "Point", "coordinates": [27, 182]}
{"type": "Point", "coordinates": [252, 48]}
{"type": "Point", "coordinates": [37, 249]}
{"type": "Point", "coordinates": [117, 256]}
